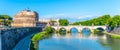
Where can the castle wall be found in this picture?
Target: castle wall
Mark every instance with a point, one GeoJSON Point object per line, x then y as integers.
{"type": "Point", "coordinates": [10, 37]}
{"type": "Point", "coordinates": [25, 18]}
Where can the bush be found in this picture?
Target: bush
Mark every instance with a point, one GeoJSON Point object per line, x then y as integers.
{"type": "Point", "coordinates": [49, 30]}
{"type": "Point", "coordinates": [56, 31]}
{"type": "Point", "coordinates": [35, 40]}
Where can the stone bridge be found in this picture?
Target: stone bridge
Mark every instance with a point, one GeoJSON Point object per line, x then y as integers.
{"type": "Point", "coordinates": [79, 28]}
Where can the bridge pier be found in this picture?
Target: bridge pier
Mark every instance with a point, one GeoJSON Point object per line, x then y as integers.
{"type": "Point", "coordinates": [67, 30]}
{"type": "Point", "coordinates": [80, 35]}
{"type": "Point", "coordinates": [57, 29]}
{"type": "Point", "coordinates": [92, 30]}
{"type": "Point", "coordinates": [79, 30]}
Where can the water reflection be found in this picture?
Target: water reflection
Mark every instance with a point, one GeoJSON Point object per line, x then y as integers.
{"type": "Point", "coordinates": [86, 32]}
{"type": "Point", "coordinates": [74, 31]}
{"type": "Point", "coordinates": [80, 35]}
{"type": "Point", "coordinates": [79, 41]}
{"type": "Point", "coordinates": [68, 35]}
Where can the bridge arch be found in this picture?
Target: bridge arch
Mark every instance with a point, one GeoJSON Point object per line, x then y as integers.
{"type": "Point", "coordinates": [100, 29]}
{"type": "Point", "coordinates": [89, 29]}
{"type": "Point", "coordinates": [73, 29]}
{"type": "Point", "coordinates": [62, 30]}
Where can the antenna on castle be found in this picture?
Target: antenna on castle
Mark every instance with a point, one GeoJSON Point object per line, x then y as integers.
{"type": "Point", "coordinates": [27, 9]}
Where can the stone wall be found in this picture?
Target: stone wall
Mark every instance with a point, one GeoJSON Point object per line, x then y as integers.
{"type": "Point", "coordinates": [116, 30]}
{"type": "Point", "coordinates": [10, 37]}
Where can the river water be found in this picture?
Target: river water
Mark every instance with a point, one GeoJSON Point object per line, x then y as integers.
{"type": "Point", "coordinates": [79, 41]}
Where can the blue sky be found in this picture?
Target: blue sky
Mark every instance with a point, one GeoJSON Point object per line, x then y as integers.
{"type": "Point", "coordinates": [74, 10]}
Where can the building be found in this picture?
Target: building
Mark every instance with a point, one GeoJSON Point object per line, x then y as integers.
{"type": "Point", "coordinates": [50, 22]}
{"type": "Point", "coordinates": [25, 18]}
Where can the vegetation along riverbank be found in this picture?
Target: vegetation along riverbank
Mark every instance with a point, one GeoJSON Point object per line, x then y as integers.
{"type": "Point", "coordinates": [39, 36]}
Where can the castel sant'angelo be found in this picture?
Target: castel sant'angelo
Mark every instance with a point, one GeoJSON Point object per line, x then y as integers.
{"type": "Point", "coordinates": [25, 18]}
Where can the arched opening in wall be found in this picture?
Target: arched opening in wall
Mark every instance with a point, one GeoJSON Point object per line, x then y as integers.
{"type": "Point", "coordinates": [62, 31]}
{"type": "Point", "coordinates": [99, 31]}
{"type": "Point", "coordinates": [86, 32]}
{"type": "Point", "coordinates": [74, 31]}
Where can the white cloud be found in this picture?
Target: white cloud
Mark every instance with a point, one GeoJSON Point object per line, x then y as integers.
{"type": "Point", "coordinates": [87, 17]}
{"type": "Point", "coordinates": [55, 16]}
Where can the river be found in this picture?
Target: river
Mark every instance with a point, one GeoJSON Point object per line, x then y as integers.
{"type": "Point", "coordinates": [79, 41]}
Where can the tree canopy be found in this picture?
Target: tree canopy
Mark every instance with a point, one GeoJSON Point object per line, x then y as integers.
{"type": "Point", "coordinates": [115, 21]}
{"type": "Point", "coordinates": [7, 17]}
{"type": "Point", "coordinates": [63, 22]}
{"type": "Point", "coordinates": [102, 20]}
{"type": "Point", "coordinates": [5, 20]}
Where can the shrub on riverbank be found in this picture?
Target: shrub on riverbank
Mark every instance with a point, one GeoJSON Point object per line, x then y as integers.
{"type": "Point", "coordinates": [98, 32]}
{"type": "Point", "coordinates": [56, 31]}
{"type": "Point", "coordinates": [49, 30]}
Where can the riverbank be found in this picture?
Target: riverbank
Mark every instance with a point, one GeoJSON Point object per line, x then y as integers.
{"type": "Point", "coordinates": [113, 35]}
{"type": "Point", "coordinates": [39, 36]}
{"type": "Point", "coordinates": [35, 40]}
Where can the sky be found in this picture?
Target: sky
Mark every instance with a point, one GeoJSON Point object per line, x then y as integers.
{"type": "Point", "coordinates": [73, 10]}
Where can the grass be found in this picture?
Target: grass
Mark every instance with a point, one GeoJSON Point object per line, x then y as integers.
{"type": "Point", "coordinates": [116, 36]}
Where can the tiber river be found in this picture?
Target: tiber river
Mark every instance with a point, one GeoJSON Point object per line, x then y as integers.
{"type": "Point", "coordinates": [79, 41]}
{"type": "Point", "coordinates": [73, 41]}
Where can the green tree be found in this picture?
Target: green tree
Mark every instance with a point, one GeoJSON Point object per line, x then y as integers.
{"type": "Point", "coordinates": [5, 19]}
{"type": "Point", "coordinates": [63, 22]}
{"type": "Point", "coordinates": [116, 18]}
{"type": "Point", "coordinates": [102, 20]}
{"type": "Point", "coordinates": [115, 21]}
